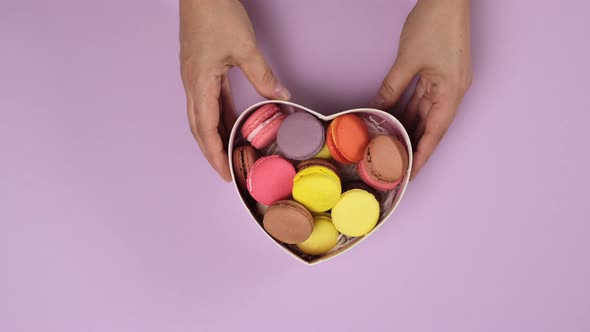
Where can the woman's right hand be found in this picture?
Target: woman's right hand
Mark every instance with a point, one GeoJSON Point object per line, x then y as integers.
{"type": "Point", "coordinates": [216, 35]}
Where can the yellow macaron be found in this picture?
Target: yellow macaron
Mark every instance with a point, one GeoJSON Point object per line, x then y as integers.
{"type": "Point", "coordinates": [356, 213]}
{"type": "Point", "coordinates": [318, 188]}
{"type": "Point", "coordinates": [324, 153]}
{"type": "Point", "coordinates": [323, 237]}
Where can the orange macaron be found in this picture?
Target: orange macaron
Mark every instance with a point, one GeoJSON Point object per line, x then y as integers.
{"type": "Point", "coordinates": [347, 137]}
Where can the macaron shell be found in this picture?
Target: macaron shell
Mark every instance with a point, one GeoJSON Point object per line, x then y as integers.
{"type": "Point", "coordinates": [332, 147]}
{"type": "Point", "coordinates": [268, 133]}
{"type": "Point", "coordinates": [386, 158]}
{"type": "Point", "coordinates": [262, 114]}
{"type": "Point", "coordinates": [288, 222]}
{"type": "Point", "coordinates": [270, 179]}
{"type": "Point", "coordinates": [301, 136]}
{"type": "Point", "coordinates": [243, 158]}
{"type": "Point", "coordinates": [317, 188]}
{"type": "Point", "coordinates": [356, 213]}
{"type": "Point", "coordinates": [350, 138]}
{"type": "Point", "coordinates": [323, 237]}
{"type": "Point", "coordinates": [317, 162]}
{"type": "Point", "coordinates": [372, 181]}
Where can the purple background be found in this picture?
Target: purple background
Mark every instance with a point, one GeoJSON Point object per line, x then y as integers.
{"type": "Point", "coordinates": [111, 220]}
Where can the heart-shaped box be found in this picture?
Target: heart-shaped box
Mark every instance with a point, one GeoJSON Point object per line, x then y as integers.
{"type": "Point", "coordinates": [378, 122]}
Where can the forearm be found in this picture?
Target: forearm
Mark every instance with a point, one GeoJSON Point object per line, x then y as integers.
{"type": "Point", "coordinates": [457, 7]}
{"type": "Point", "coordinates": [453, 3]}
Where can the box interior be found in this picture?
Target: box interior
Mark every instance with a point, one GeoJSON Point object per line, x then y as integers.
{"type": "Point", "coordinates": [378, 123]}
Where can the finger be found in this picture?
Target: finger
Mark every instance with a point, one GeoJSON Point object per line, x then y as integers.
{"type": "Point", "coordinates": [191, 119]}
{"type": "Point", "coordinates": [416, 111]}
{"type": "Point", "coordinates": [206, 118]}
{"type": "Point", "coordinates": [436, 124]}
{"type": "Point", "coordinates": [409, 115]}
{"type": "Point", "coordinates": [410, 118]}
{"type": "Point", "coordinates": [423, 109]}
{"type": "Point", "coordinates": [223, 132]}
{"type": "Point", "coordinates": [261, 76]}
{"type": "Point", "coordinates": [228, 110]}
{"type": "Point", "coordinates": [395, 83]}
{"type": "Point", "coordinates": [418, 132]}
{"type": "Point", "coordinates": [228, 116]}
{"type": "Point", "coordinates": [193, 125]}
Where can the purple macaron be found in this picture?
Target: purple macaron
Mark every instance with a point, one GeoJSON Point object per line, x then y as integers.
{"type": "Point", "coordinates": [301, 136]}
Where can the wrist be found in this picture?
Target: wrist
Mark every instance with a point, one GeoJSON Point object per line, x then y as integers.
{"type": "Point", "coordinates": [446, 3]}
{"type": "Point", "coordinates": [447, 8]}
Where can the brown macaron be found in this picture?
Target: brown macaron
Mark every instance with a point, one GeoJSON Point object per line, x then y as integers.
{"type": "Point", "coordinates": [317, 162]}
{"type": "Point", "coordinates": [288, 222]}
{"type": "Point", "coordinates": [243, 159]}
{"type": "Point", "coordinates": [384, 164]}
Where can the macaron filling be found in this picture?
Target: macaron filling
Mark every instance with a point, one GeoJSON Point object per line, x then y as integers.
{"type": "Point", "coordinates": [334, 149]}
{"type": "Point", "coordinates": [243, 168]}
{"type": "Point", "coordinates": [261, 126]}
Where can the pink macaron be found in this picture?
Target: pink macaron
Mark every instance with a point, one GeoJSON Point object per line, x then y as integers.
{"type": "Point", "coordinates": [270, 179]}
{"type": "Point", "coordinates": [261, 127]}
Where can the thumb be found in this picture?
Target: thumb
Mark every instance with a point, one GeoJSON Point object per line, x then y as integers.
{"type": "Point", "coordinates": [394, 84]}
{"type": "Point", "coordinates": [262, 78]}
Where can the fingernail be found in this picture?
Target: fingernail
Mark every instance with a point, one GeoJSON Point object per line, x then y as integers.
{"type": "Point", "coordinates": [282, 93]}
{"type": "Point", "coordinates": [378, 102]}
{"type": "Point", "coordinates": [224, 177]}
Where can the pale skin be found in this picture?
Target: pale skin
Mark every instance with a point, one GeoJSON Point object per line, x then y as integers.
{"type": "Point", "coordinates": [434, 46]}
